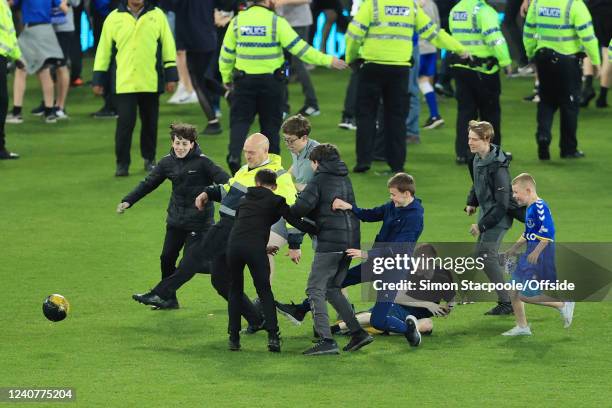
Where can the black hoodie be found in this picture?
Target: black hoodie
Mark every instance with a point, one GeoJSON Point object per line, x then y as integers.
{"type": "Point", "coordinates": [190, 176]}
{"type": "Point", "coordinates": [338, 230]}
{"type": "Point", "coordinates": [258, 210]}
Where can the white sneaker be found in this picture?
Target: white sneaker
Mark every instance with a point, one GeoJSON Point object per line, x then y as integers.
{"type": "Point", "coordinates": [567, 312]}
{"type": "Point", "coordinates": [61, 114]}
{"type": "Point", "coordinates": [14, 119]}
{"type": "Point", "coordinates": [525, 71]}
{"type": "Point", "coordinates": [187, 98]}
{"type": "Point", "coordinates": [518, 331]}
{"type": "Point", "coordinates": [178, 94]}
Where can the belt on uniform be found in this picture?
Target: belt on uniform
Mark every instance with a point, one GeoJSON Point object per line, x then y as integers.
{"type": "Point", "coordinates": [473, 62]}
{"type": "Point", "coordinates": [549, 52]}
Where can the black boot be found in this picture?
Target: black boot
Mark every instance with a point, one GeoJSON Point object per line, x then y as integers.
{"type": "Point", "coordinates": [234, 342]}
{"type": "Point", "coordinates": [274, 341]}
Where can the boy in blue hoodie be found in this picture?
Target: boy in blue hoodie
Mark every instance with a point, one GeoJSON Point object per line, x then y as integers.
{"type": "Point", "coordinates": [402, 219]}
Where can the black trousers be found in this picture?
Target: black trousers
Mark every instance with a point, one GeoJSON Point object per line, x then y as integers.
{"type": "Point", "coordinates": [477, 99]}
{"type": "Point", "coordinates": [127, 105]}
{"type": "Point", "coordinates": [390, 83]}
{"type": "Point", "coordinates": [512, 11]}
{"type": "Point", "coordinates": [174, 241]}
{"type": "Point", "coordinates": [255, 257]}
{"type": "Point", "coordinates": [350, 97]}
{"type": "Point", "coordinates": [76, 54]}
{"type": "Point", "coordinates": [210, 252]}
{"type": "Point", "coordinates": [560, 82]}
{"type": "Point", "coordinates": [3, 100]}
{"type": "Point", "coordinates": [204, 85]}
{"type": "Point", "coordinates": [255, 95]}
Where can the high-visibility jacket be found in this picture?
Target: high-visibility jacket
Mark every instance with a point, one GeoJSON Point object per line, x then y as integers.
{"type": "Point", "coordinates": [143, 49]}
{"type": "Point", "coordinates": [229, 194]}
{"type": "Point", "coordinates": [254, 43]}
{"type": "Point", "coordinates": [610, 51]}
{"type": "Point", "coordinates": [382, 32]}
{"type": "Point", "coordinates": [564, 26]}
{"type": "Point", "coordinates": [475, 24]}
{"type": "Point", "coordinates": [8, 41]}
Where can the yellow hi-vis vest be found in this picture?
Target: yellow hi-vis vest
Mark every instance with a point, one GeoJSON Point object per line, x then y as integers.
{"type": "Point", "coordinates": [8, 41]}
{"type": "Point", "coordinates": [254, 43]}
{"type": "Point", "coordinates": [564, 26]}
{"type": "Point", "coordinates": [382, 32]}
{"type": "Point", "coordinates": [475, 24]}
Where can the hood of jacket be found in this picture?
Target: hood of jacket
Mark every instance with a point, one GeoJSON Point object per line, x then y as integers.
{"type": "Point", "coordinates": [496, 155]}
{"type": "Point", "coordinates": [335, 167]}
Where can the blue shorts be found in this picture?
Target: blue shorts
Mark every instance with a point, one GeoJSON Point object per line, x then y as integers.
{"type": "Point", "coordinates": [525, 272]}
{"type": "Point", "coordinates": [427, 64]}
{"type": "Point", "coordinates": [401, 312]}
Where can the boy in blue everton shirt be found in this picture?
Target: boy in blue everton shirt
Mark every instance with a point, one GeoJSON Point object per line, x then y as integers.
{"type": "Point", "coordinates": [538, 261]}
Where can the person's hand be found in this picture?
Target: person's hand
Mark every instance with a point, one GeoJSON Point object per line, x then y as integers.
{"type": "Point", "coordinates": [295, 255]}
{"type": "Point", "coordinates": [437, 310]}
{"type": "Point", "coordinates": [524, 8]}
{"type": "Point", "coordinates": [356, 253]}
{"type": "Point", "coordinates": [122, 207]}
{"type": "Point", "coordinates": [98, 90]}
{"type": "Point", "coordinates": [64, 6]}
{"type": "Point", "coordinates": [222, 18]}
{"type": "Point", "coordinates": [470, 210]}
{"type": "Point", "coordinates": [532, 258]}
{"type": "Point", "coordinates": [171, 86]}
{"type": "Point", "coordinates": [338, 64]}
{"type": "Point", "coordinates": [340, 204]}
{"type": "Point", "coordinates": [474, 230]}
{"type": "Point", "coordinates": [272, 250]}
{"type": "Point", "coordinates": [201, 201]}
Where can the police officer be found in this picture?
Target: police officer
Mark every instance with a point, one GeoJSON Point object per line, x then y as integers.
{"type": "Point", "coordinates": [137, 36]}
{"type": "Point", "coordinates": [251, 62]}
{"type": "Point", "coordinates": [9, 50]}
{"type": "Point", "coordinates": [380, 36]}
{"type": "Point", "coordinates": [555, 33]}
{"type": "Point", "coordinates": [475, 24]}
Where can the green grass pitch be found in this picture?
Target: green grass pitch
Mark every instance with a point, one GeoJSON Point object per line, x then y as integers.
{"type": "Point", "coordinates": [60, 234]}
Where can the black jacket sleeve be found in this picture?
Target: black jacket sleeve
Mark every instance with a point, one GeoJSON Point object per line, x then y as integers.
{"type": "Point", "coordinates": [150, 183]}
{"type": "Point", "coordinates": [471, 198]}
{"type": "Point", "coordinates": [307, 200]}
{"type": "Point", "coordinates": [501, 194]}
{"type": "Point", "coordinates": [214, 193]}
{"type": "Point", "coordinates": [295, 240]}
{"type": "Point", "coordinates": [216, 173]}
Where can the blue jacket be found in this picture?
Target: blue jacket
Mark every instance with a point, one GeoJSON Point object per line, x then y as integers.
{"type": "Point", "coordinates": [400, 224]}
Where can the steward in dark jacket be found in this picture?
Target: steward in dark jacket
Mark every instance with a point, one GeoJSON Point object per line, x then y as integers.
{"type": "Point", "coordinates": [189, 177]}
{"type": "Point", "coordinates": [338, 230]}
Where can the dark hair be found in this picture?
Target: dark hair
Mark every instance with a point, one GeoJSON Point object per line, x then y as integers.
{"type": "Point", "coordinates": [296, 126]}
{"type": "Point", "coordinates": [265, 177]}
{"type": "Point", "coordinates": [324, 152]}
{"type": "Point", "coordinates": [403, 182]}
{"type": "Point", "coordinates": [183, 131]}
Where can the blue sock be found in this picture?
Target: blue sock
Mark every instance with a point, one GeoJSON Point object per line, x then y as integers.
{"type": "Point", "coordinates": [432, 103]}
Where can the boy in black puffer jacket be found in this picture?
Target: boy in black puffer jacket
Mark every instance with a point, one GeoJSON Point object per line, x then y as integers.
{"type": "Point", "coordinates": [259, 209]}
{"type": "Point", "coordinates": [338, 231]}
{"type": "Point", "coordinates": [190, 172]}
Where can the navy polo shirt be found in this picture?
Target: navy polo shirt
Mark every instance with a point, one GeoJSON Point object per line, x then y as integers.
{"type": "Point", "coordinates": [36, 11]}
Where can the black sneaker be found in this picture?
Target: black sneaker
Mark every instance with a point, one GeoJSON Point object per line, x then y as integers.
{"type": "Point", "coordinates": [502, 308]}
{"type": "Point", "coordinates": [152, 299]}
{"type": "Point", "coordinates": [6, 155]}
{"type": "Point", "coordinates": [51, 118]}
{"type": "Point", "coordinates": [105, 114]}
{"type": "Point", "coordinates": [274, 341]}
{"type": "Point", "coordinates": [212, 129]}
{"type": "Point", "coordinates": [534, 97]}
{"type": "Point", "coordinates": [323, 347]}
{"type": "Point", "coordinates": [543, 152]}
{"type": "Point", "coordinates": [122, 171]}
{"type": "Point", "coordinates": [293, 312]}
{"type": "Point", "coordinates": [433, 122]}
{"type": "Point", "coordinates": [601, 103]}
{"type": "Point", "coordinates": [587, 95]}
{"type": "Point", "coordinates": [347, 123]}
{"type": "Point", "coordinates": [39, 110]}
{"type": "Point", "coordinates": [358, 340]}
{"type": "Point", "coordinates": [171, 304]}
{"type": "Point", "coordinates": [149, 165]}
{"type": "Point", "coordinates": [361, 168]}
{"type": "Point", "coordinates": [252, 329]}
{"type": "Point", "coordinates": [578, 154]}
{"type": "Point", "coordinates": [412, 332]}
{"type": "Point", "coordinates": [234, 342]}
